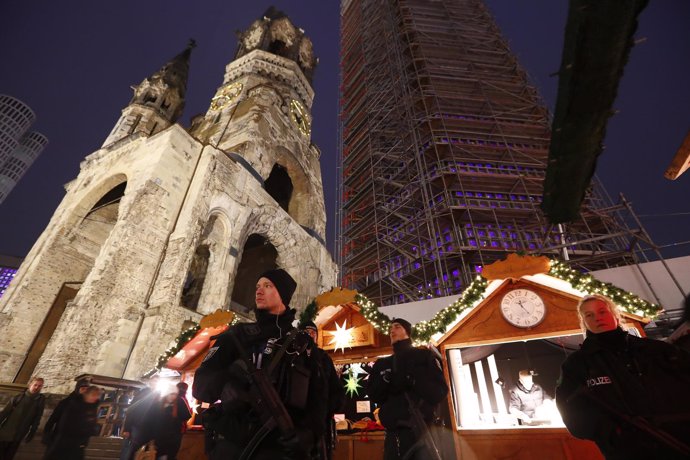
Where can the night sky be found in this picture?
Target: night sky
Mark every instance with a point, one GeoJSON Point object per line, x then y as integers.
{"type": "Point", "coordinates": [73, 63]}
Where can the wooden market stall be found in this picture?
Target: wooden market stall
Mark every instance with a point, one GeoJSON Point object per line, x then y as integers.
{"type": "Point", "coordinates": [525, 319]}
{"type": "Point", "coordinates": [184, 361]}
{"type": "Point", "coordinates": [352, 342]}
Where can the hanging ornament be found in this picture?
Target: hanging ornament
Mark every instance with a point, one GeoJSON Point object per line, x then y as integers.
{"type": "Point", "coordinates": [352, 385]}
{"type": "Point", "coordinates": [342, 337]}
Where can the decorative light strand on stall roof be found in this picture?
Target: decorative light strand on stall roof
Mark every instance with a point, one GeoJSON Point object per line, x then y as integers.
{"type": "Point", "coordinates": [587, 283]}
{"type": "Point", "coordinates": [181, 340]}
{"type": "Point", "coordinates": [424, 330]}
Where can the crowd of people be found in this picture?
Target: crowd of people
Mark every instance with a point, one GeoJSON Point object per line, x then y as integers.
{"type": "Point", "coordinates": [272, 392]}
{"type": "Point", "coordinates": [158, 417]}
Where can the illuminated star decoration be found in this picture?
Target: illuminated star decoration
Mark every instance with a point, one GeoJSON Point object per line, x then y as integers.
{"type": "Point", "coordinates": [352, 385]}
{"type": "Point", "coordinates": [356, 369]}
{"type": "Point", "coordinates": [341, 337]}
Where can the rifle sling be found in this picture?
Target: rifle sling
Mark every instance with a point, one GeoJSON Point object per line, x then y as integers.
{"type": "Point", "coordinates": [259, 436]}
{"type": "Point", "coordinates": [279, 355]}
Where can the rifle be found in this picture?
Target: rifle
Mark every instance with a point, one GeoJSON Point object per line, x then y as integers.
{"type": "Point", "coordinates": [421, 431]}
{"type": "Point", "coordinates": [264, 398]}
{"type": "Point", "coordinates": [638, 422]}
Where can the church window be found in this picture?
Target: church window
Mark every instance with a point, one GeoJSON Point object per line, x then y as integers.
{"type": "Point", "coordinates": [194, 284]}
{"type": "Point", "coordinates": [279, 186]}
{"type": "Point", "coordinates": [277, 47]}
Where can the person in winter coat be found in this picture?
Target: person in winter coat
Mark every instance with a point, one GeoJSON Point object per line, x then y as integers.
{"type": "Point", "coordinates": [68, 434]}
{"type": "Point", "coordinates": [410, 374]}
{"type": "Point", "coordinates": [335, 392]}
{"type": "Point", "coordinates": [623, 392]}
{"type": "Point", "coordinates": [139, 406]}
{"type": "Point", "coordinates": [273, 345]}
{"type": "Point", "coordinates": [50, 426]}
{"type": "Point", "coordinates": [525, 397]}
{"type": "Point", "coordinates": [168, 418]}
{"type": "Point", "coordinates": [19, 419]}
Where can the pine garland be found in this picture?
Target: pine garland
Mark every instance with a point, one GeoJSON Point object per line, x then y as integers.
{"type": "Point", "coordinates": [587, 283]}
{"type": "Point", "coordinates": [424, 330]}
{"type": "Point", "coordinates": [309, 313]}
{"type": "Point", "coordinates": [180, 342]}
{"type": "Point", "coordinates": [470, 297]}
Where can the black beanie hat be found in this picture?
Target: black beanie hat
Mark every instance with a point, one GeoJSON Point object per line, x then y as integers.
{"type": "Point", "coordinates": [405, 324]}
{"type": "Point", "coordinates": [283, 283]}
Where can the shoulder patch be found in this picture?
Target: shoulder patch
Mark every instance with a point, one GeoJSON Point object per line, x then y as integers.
{"type": "Point", "coordinates": [210, 354]}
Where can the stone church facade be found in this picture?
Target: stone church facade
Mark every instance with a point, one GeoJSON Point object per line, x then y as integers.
{"type": "Point", "coordinates": [165, 224]}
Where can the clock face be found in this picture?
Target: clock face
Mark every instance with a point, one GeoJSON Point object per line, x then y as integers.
{"type": "Point", "coordinates": [523, 308]}
{"type": "Point", "coordinates": [299, 116]}
{"type": "Point", "coordinates": [225, 95]}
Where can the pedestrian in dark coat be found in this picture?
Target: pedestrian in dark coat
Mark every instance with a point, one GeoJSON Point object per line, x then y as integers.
{"type": "Point", "coordinates": [133, 431]}
{"type": "Point", "coordinates": [69, 434]}
{"type": "Point", "coordinates": [19, 419]}
{"type": "Point", "coordinates": [51, 425]}
{"type": "Point", "coordinates": [617, 381]}
{"type": "Point", "coordinates": [296, 378]}
{"type": "Point", "coordinates": [410, 374]}
{"type": "Point", "coordinates": [168, 419]}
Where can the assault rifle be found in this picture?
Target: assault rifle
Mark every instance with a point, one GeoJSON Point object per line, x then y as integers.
{"type": "Point", "coordinates": [265, 399]}
{"type": "Point", "coordinates": [421, 432]}
{"type": "Point", "coordinates": [638, 422]}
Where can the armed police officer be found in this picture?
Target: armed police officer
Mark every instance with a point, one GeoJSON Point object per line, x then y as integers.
{"type": "Point", "coordinates": [408, 386]}
{"type": "Point", "coordinates": [334, 393]}
{"type": "Point", "coordinates": [260, 377]}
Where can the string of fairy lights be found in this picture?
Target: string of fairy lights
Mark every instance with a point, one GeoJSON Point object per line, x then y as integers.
{"type": "Point", "coordinates": [470, 298]}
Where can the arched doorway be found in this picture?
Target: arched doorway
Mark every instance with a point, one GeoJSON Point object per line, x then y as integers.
{"type": "Point", "coordinates": [81, 249]}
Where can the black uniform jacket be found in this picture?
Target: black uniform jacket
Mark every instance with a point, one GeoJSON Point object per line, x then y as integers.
{"type": "Point", "coordinates": [335, 390]}
{"type": "Point", "coordinates": [633, 376]}
{"type": "Point", "coordinates": [219, 378]}
{"type": "Point", "coordinates": [410, 369]}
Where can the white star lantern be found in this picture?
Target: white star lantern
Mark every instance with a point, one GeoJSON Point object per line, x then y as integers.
{"type": "Point", "coordinates": [342, 337]}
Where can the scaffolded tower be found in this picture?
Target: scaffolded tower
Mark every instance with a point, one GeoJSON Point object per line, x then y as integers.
{"type": "Point", "coordinates": [444, 145]}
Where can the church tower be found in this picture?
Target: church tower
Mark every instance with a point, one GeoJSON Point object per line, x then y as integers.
{"type": "Point", "coordinates": [158, 101]}
{"type": "Point", "coordinates": [164, 225]}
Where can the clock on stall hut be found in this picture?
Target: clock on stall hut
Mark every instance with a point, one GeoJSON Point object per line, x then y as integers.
{"type": "Point", "coordinates": [523, 308]}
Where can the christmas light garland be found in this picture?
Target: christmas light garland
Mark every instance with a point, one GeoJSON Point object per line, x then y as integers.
{"type": "Point", "coordinates": [180, 342]}
{"type": "Point", "coordinates": [424, 330]}
{"type": "Point", "coordinates": [587, 283]}
{"type": "Point", "coordinates": [470, 297]}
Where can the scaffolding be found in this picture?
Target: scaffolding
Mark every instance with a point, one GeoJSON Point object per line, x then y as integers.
{"type": "Point", "coordinates": [444, 145]}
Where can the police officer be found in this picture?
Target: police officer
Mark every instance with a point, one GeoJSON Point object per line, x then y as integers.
{"type": "Point", "coordinates": [223, 376]}
{"type": "Point", "coordinates": [410, 375]}
{"type": "Point", "coordinates": [335, 394]}
{"type": "Point", "coordinates": [627, 394]}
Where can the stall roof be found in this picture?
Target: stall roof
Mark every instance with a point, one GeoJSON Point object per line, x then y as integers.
{"type": "Point", "coordinates": [195, 347]}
